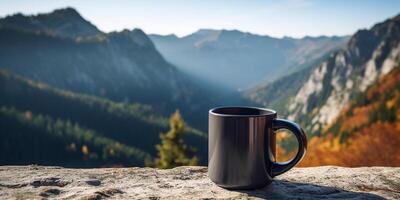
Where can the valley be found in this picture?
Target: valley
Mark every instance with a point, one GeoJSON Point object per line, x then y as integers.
{"type": "Point", "coordinates": [74, 95]}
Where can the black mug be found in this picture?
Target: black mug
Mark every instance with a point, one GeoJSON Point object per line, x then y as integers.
{"type": "Point", "coordinates": [241, 146]}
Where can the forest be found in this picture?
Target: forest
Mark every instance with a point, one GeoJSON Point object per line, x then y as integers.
{"type": "Point", "coordinates": [71, 122]}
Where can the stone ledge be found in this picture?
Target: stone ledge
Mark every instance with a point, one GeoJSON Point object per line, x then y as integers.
{"type": "Point", "coordinates": [37, 182]}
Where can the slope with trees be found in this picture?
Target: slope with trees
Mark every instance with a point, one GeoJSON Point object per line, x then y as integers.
{"type": "Point", "coordinates": [133, 125]}
{"type": "Point", "coordinates": [30, 138]}
{"type": "Point", "coordinates": [367, 131]}
{"type": "Point", "coordinates": [64, 50]}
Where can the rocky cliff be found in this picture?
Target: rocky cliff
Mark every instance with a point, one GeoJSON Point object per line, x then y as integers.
{"type": "Point", "coordinates": [37, 182]}
{"type": "Point", "coordinates": [370, 54]}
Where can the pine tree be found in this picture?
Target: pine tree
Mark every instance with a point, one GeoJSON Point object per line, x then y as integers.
{"type": "Point", "coordinates": [172, 151]}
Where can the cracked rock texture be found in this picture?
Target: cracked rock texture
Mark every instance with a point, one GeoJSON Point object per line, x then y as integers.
{"type": "Point", "coordinates": [38, 182]}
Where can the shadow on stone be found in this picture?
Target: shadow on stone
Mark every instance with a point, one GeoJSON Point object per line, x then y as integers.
{"type": "Point", "coordinates": [52, 181]}
{"type": "Point", "coordinates": [292, 190]}
{"type": "Point", "coordinates": [50, 192]}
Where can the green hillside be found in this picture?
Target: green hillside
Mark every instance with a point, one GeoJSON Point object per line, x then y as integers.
{"type": "Point", "coordinates": [134, 125]}
{"type": "Point", "coordinates": [27, 138]}
{"type": "Point", "coordinates": [64, 50]}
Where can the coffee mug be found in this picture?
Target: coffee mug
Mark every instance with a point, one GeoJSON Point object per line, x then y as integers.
{"type": "Point", "coordinates": [241, 146]}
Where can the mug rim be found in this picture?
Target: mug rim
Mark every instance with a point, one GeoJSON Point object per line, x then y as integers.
{"type": "Point", "coordinates": [268, 112]}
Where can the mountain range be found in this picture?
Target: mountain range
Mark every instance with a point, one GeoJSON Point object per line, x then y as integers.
{"type": "Point", "coordinates": [64, 50]}
{"type": "Point", "coordinates": [76, 96]}
{"type": "Point", "coordinates": [239, 60]}
{"type": "Point", "coordinates": [88, 98]}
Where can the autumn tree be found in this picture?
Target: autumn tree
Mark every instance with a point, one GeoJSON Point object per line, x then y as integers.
{"type": "Point", "coordinates": [172, 151]}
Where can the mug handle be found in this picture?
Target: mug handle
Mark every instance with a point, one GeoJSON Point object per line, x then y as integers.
{"type": "Point", "coordinates": [281, 167]}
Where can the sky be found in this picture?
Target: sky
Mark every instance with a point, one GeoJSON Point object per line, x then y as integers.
{"type": "Point", "coordinates": [279, 18]}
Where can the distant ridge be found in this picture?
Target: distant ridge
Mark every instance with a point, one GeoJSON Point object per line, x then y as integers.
{"type": "Point", "coordinates": [241, 59]}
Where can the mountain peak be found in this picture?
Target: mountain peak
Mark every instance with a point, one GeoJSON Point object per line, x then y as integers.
{"type": "Point", "coordinates": [138, 31]}
{"type": "Point", "coordinates": [140, 38]}
{"type": "Point", "coordinates": [233, 33]}
{"type": "Point", "coordinates": [203, 35]}
{"type": "Point", "coordinates": [205, 31]}
{"type": "Point", "coordinates": [171, 36]}
{"type": "Point", "coordinates": [137, 36]}
{"type": "Point", "coordinates": [66, 12]}
{"type": "Point", "coordinates": [365, 41]}
{"type": "Point", "coordinates": [213, 32]}
{"type": "Point", "coordinates": [65, 22]}
{"type": "Point", "coordinates": [396, 18]}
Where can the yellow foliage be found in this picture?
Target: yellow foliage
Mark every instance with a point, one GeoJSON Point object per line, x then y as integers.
{"type": "Point", "coordinates": [282, 135]}
{"type": "Point", "coordinates": [172, 151]}
{"type": "Point", "coordinates": [391, 103]}
{"type": "Point", "coordinates": [85, 150]}
{"type": "Point", "coordinates": [336, 146]}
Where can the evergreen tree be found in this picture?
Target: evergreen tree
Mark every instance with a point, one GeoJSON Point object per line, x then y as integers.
{"type": "Point", "coordinates": [172, 151]}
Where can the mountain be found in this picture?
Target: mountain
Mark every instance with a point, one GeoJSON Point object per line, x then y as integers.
{"type": "Point", "coordinates": [239, 59]}
{"type": "Point", "coordinates": [277, 94]}
{"type": "Point", "coordinates": [366, 131]}
{"type": "Point", "coordinates": [64, 50]}
{"type": "Point", "coordinates": [52, 117]}
{"type": "Point", "coordinates": [63, 22]}
{"type": "Point", "coordinates": [326, 88]}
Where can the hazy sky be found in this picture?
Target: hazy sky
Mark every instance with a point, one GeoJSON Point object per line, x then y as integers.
{"type": "Point", "coordinates": [295, 18]}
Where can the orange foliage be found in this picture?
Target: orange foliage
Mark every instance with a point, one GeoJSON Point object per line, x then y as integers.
{"type": "Point", "coordinates": [366, 133]}
{"type": "Point", "coordinates": [376, 145]}
{"type": "Point", "coordinates": [359, 118]}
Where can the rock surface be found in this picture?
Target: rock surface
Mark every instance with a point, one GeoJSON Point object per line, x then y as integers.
{"type": "Point", "coordinates": [37, 182]}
